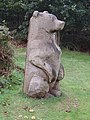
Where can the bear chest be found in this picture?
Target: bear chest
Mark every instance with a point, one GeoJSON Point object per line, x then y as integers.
{"type": "Point", "coordinates": [54, 47]}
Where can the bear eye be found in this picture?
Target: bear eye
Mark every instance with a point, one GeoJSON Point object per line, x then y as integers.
{"type": "Point", "coordinates": [53, 18]}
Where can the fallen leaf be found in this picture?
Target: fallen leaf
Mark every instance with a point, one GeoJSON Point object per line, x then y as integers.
{"type": "Point", "coordinates": [26, 117]}
{"type": "Point", "coordinates": [26, 108]}
{"type": "Point", "coordinates": [31, 110]}
{"type": "Point", "coordinates": [20, 116]}
{"type": "Point", "coordinates": [5, 113]}
{"type": "Point", "coordinates": [33, 118]}
{"type": "Point", "coordinates": [67, 110]}
{"type": "Point", "coordinates": [4, 104]}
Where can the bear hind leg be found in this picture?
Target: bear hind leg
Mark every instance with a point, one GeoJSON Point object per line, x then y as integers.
{"type": "Point", "coordinates": [38, 87]}
{"type": "Point", "coordinates": [56, 90]}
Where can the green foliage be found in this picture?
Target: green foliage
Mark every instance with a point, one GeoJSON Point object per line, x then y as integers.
{"type": "Point", "coordinates": [75, 13]}
{"type": "Point", "coordinates": [9, 82]}
{"type": "Point", "coordinates": [6, 52]}
{"type": "Point", "coordinates": [21, 33]}
{"type": "Point", "coordinates": [12, 12]}
{"type": "Point", "coordinates": [14, 77]}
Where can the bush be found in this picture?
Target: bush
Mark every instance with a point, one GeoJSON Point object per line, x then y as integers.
{"type": "Point", "coordinates": [6, 52]}
{"type": "Point", "coordinates": [74, 12]}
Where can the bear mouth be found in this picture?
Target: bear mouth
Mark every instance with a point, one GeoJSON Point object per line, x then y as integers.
{"type": "Point", "coordinates": [52, 31]}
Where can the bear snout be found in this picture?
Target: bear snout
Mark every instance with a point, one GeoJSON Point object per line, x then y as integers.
{"type": "Point", "coordinates": [59, 25]}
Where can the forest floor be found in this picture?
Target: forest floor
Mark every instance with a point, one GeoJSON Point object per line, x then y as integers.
{"type": "Point", "coordinates": [74, 104]}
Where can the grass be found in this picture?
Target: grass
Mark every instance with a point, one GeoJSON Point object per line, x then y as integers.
{"type": "Point", "coordinates": [74, 104]}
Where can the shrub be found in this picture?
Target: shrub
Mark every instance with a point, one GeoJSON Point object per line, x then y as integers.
{"type": "Point", "coordinates": [75, 13]}
{"type": "Point", "coordinates": [6, 52]}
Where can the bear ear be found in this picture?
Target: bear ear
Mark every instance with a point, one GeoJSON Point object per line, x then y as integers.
{"type": "Point", "coordinates": [35, 13]}
{"type": "Point", "coordinates": [45, 12]}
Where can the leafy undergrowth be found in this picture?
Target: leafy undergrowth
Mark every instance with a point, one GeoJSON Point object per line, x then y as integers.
{"type": "Point", "coordinates": [74, 104]}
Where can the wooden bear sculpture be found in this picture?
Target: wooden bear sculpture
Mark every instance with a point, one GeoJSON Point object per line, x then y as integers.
{"type": "Point", "coordinates": [43, 69]}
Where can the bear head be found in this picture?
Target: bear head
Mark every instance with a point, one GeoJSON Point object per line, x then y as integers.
{"type": "Point", "coordinates": [46, 21]}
